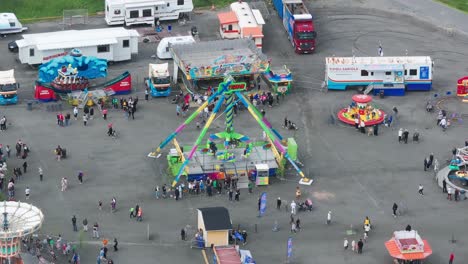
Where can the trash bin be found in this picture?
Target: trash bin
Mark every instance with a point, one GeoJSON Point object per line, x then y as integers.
{"type": "Point", "coordinates": [29, 105]}
{"type": "Point", "coordinates": [169, 28]}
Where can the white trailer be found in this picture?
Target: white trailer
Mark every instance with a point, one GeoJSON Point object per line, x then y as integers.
{"type": "Point", "coordinates": [112, 44]}
{"type": "Point", "coordinates": [9, 24]}
{"type": "Point", "coordinates": [133, 12]}
{"type": "Point", "coordinates": [163, 49]}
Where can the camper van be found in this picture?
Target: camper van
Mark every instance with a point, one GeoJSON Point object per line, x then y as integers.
{"type": "Point", "coordinates": [9, 24]}
{"type": "Point", "coordinates": [134, 12]}
{"type": "Point", "coordinates": [163, 50]}
{"type": "Point", "coordinates": [410, 73]}
{"type": "Point", "coordinates": [112, 44]}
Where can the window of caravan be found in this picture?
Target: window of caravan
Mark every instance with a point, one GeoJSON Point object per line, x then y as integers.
{"type": "Point", "coordinates": [103, 48]}
{"type": "Point", "coordinates": [156, 8]}
{"type": "Point", "coordinates": [117, 12]}
{"type": "Point", "coordinates": [413, 72]}
{"type": "Point", "coordinates": [364, 73]}
{"type": "Point", "coordinates": [372, 73]}
{"type": "Point", "coordinates": [12, 24]}
{"type": "Point", "coordinates": [180, 2]}
{"type": "Point", "coordinates": [147, 13]}
{"type": "Point", "coordinates": [126, 43]}
{"type": "Point", "coordinates": [230, 27]}
{"type": "Point", "coordinates": [168, 4]}
{"type": "Point", "coordinates": [388, 73]}
{"type": "Point", "coordinates": [134, 14]}
{"type": "Point", "coordinates": [31, 52]}
{"type": "Point", "coordinates": [406, 72]}
{"type": "Point", "coordinates": [107, 8]}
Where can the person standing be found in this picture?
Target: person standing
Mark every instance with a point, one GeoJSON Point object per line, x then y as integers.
{"type": "Point", "coordinates": [91, 113]}
{"type": "Point", "coordinates": [431, 159]}
{"type": "Point", "coordinates": [278, 203]}
{"type": "Point", "coordinates": [140, 214]}
{"type": "Point", "coordinates": [25, 166]}
{"type": "Point", "coordinates": [75, 228]}
{"type": "Point", "coordinates": [425, 164]}
{"type": "Point", "coordinates": [230, 194]}
{"type": "Point", "coordinates": [182, 234]}
{"type": "Point", "coordinates": [75, 112]}
{"type": "Point", "coordinates": [85, 120]}
{"type": "Point", "coordinates": [395, 208]}
{"type": "Point", "coordinates": [104, 114]}
{"type": "Point", "coordinates": [345, 244]}
{"type": "Point", "coordinates": [421, 189]}
{"type": "Point", "coordinates": [176, 193]}
{"type": "Point", "coordinates": [237, 196]}
{"type": "Point", "coordinates": [27, 192]}
{"type": "Point", "coordinates": [405, 136]}
{"type": "Point", "coordinates": [298, 224]}
{"type": "Point", "coordinates": [356, 121]}
{"type": "Point", "coordinates": [67, 119]}
{"type": "Point", "coordinates": [85, 225]}
{"type": "Point", "coordinates": [293, 208]}
{"type": "Point", "coordinates": [41, 175]}
{"type": "Point", "coordinates": [444, 186]}
{"type": "Point", "coordinates": [451, 258]}
{"type": "Point", "coordinates": [376, 129]}
{"type": "Point", "coordinates": [400, 135]}
{"type": "Point", "coordinates": [95, 230]}
{"type": "Point", "coordinates": [353, 246]}
{"type": "Point", "coordinates": [329, 217]}
{"type": "Point", "coordinates": [8, 150]}
{"type": "Point", "coordinates": [146, 94]}
{"type": "Point", "coordinates": [449, 193]}
{"type": "Point", "coordinates": [64, 184]}
{"type": "Point", "coordinates": [360, 245]}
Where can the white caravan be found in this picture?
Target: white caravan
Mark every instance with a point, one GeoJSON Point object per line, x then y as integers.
{"type": "Point", "coordinates": [10, 24]}
{"type": "Point", "coordinates": [133, 12]}
{"type": "Point", "coordinates": [112, 44]}
{"type": "Point", "coordinates": [163, 49]}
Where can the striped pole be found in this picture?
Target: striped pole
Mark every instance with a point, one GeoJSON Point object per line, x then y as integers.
{"type": "Point", "coordinates": [229, 113]}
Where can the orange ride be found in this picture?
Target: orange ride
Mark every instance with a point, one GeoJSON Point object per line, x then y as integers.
{"type": "Point", "coordinates": [362, 108]}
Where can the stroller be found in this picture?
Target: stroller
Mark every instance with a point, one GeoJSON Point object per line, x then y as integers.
{"type": "Point", "coordinates": [306, 205]}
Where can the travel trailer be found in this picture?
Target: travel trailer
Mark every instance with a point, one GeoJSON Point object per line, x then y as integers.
{"type": "Point", "coordinates": [163, 49]}
{"type": "Point", "coordinates": [9, 24]}
{"type": "Point", "coordinates": [112, 44]}
{"type": "Point", "coordinates": [410, 73]}
{"type": "Point", "coordinates": [133, 12]}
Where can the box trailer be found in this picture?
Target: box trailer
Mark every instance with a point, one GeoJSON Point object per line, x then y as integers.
{"type": "Point", "coordinates": [163, 49]}
{"type": "Point", "coordinates": [134, 12]}
{"type": "Point", "coordinates": [393, 75]}
{"type": "Point", "coordinates": [112, 44]}
{"type": "Point", "coordinates": [9, 24]}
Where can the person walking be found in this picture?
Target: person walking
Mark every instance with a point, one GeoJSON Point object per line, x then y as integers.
{"type": "Point", "coordinates": [430, 161]}
{"type": "Point", "coordinates": [75, 228]}
{"type": "Point", "coordinates": [146, 94]}
{"type": "Point", "coordinates": [75, 112]}
{"type": "Point", "coordinates": [237, 196]}
{"type": "Point", "coordinates": [293, 227]}
{"type": "Point", "coordinates": [140, 214]}
{"type": "Point", "coordinates": [80, 177]}
{"type": "Point", "coordinates": [298, 224]}
{"type": "Point", "coordinates": [421, 189]}
{"type": "Point", "coordinates": [116, 243]}
{"type": "Point", "coordinates": [400, 135]}
{"type": "Point", "coordinates": [449, 193]}
{"type": "Point", "coordinates": [41, 175]}
{"type": "Point", "coordinates": [360, 245]}
{"type": "Point", "coordinates": [451, 258]}
{"type": "Point", "coordinates": [278, 203]}
{"type": "Point", "coordinates": [25, 166]}
{"type": "Point", "coordinates": [329, 217]}
{"type": "Point", "coordinates": [113, 205]}
{"type": "Point", "coordinates": [353, 246]}
{"type": "Point", "coordinates": [8, 150]}
{"type": "Point", "coordinates": [95, 230]}
{"type": "Point", "coordinates": [104, 114]}
{"type": "Point", "coordinates": [230, 194]}
{"type": "Point", "coordinates": [405, 136]}
{"type": "Point", "coordinates": [345, 244]}
{"type": "Point", "coordinates": [85, 120]}
{"type": "Point", "coordinates": [395, 208]}
{"type": "Point", "coordinates": [425, 164]}
{"type": "Point", "coordinates": [85, 225]}
{"type": "Point", "coordinates": [444, 186]}
{"type": "Point", "coordinates": [91, 113]}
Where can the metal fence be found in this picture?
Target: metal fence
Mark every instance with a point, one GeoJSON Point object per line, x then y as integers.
{"type": "Point", "coordinates": [74, 17]}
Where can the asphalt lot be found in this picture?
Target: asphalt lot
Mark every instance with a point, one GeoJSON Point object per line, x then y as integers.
{"type": "Point", "coordinates": [355, 175]}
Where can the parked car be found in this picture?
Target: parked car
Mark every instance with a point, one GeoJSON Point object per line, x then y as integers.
{"type": "Point", "coordinates": [12, 46]}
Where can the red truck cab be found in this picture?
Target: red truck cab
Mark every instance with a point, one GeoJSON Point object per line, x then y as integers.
{"type": "Point", "coordinates": [304, 36]}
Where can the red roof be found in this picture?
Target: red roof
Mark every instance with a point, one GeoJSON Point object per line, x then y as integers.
{"type": "Point", "coordinates": [395, 252]}
{"type": "Point", "coordinates": [227, 18]}
{"type": "Point", "coordinates": [255, 32]}
{"type": "Point", "coordinates": [227, 254]}
{"type": "Point", "coordinates": [362, 98]}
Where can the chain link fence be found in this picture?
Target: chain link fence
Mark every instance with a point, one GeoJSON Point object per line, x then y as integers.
{"type": "Point", "coordinates": [74, 17]}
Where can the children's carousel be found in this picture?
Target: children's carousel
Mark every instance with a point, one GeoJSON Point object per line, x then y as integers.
{"type": "Point", "coordinates": [362, 108]}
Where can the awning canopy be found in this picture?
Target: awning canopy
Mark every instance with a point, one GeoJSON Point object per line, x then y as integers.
{"type": "Point", "coordinates": [395, 252]}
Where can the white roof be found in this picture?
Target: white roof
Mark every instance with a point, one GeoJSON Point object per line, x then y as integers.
{"type": "Point", "coordinates": [302, 16]}
{"type": "Point", "coordinates": [144, 4]}
{"type": "Point", "coordinates": [23, 219]}
{"type": "Point", "coordinates": [159, 70]}
{"type": "Point", "coordinates": [261, 167]}
{"type": "Point", "coordinates": [244, 14]}
{"type": "Point", "coordinates": [147, 2]}
{"type": "Point", "coordinates": [378, 60]}
{"type": "Point", "coordinates": [7, 77]}
{"type": "Point", "coordinates": [7, 16]}
{"type": "Point", "coordinates": [258, 16]}
{"type": "Point", "coordinates": [75, 38]}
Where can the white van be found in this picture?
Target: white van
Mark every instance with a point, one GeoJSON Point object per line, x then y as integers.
{"type": "Point", "coordinates": [163, 50]}
{"type": "Point", "coordinates": [10, 24]}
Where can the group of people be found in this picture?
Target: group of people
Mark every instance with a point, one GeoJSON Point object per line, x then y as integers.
{"type": "Point", "coordinates": [360, 126]}
{"type": "Point", "coordinates": [22, 152]}
{"type": "Point", "coordinates": [63, 120]}
{"type": "Point", "coordinates": [136, 212]}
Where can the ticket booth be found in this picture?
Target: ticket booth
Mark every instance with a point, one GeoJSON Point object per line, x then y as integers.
{"type": "Point", "coordinates": [262, 174]}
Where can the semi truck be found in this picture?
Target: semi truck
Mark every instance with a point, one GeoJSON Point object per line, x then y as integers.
{"type": "Point", "coordinates": [298, 23]}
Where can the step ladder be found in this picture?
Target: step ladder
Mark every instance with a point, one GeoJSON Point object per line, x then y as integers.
{"type": "Point", "coordinates": [82, 99]}
{"type": "Point", "coordinates": [369, 88]}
